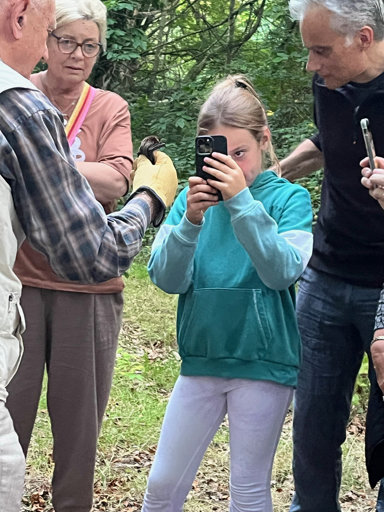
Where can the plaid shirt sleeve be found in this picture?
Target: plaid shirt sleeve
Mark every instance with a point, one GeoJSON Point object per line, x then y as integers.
{"type": "Point", "coordinates": [379, 320]}
{"type": "Point", "coordinates": [56, 207]}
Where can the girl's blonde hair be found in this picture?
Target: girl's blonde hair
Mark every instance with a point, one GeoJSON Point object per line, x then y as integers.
{"type": "Point", "coordinates": [234, 102]}
{"type": "Point", "coordinates": [68, 11]}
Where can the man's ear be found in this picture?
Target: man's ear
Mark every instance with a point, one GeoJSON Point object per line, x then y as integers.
{"type": "Point", "coordinates": [366, 37]}
{"type": "Point", "coordinates": [18, 17]}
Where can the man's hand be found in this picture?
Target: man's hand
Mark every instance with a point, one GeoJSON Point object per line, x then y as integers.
{"type": "Point", "coordinates": [160, 178]}
{"type": "Point", "coordinates": [377, 353]}
{"type": "Point", "coordinates": [200, 197]}
{"type": "Point", "coordinates": [373, 180]}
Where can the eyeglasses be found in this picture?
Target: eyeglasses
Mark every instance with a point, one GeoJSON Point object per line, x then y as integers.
{"type": "Point", "coordinates": [65, 45]}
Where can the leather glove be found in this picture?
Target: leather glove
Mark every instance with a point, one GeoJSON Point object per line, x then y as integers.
{"type": "Point", "coordinates": [160, 179]}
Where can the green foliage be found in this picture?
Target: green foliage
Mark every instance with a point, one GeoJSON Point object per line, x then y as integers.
{"type": "Point", "coordinates": [361, 393]}
{"type": "Point", "coordinates": [126, 41]}
{"type": "Point", "coordinates": [172, 118]}
{"type": "Point", "coordinates": [155, 311]}
{"type": "Point", "coordinates": [313, 184]}
{"type": "Point", "coordinates": [136, 382]}
{"type": "Point", "coordinates": [172, 84]}
{"type": "Point", "coordinates": [164, 56]}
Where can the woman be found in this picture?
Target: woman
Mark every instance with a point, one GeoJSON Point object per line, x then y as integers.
{"type": "Point", "coordinates": [72, 328]}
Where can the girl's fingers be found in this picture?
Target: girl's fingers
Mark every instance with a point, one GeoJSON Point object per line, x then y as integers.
{"type": "Point", "coordinates": [223, 158]}
{"type": "Point", "coordinates": [224, 164]}
{"type": "Point", "coordinates": [201, 192]}
{"type": "Point", "coordinates": [203, 196]}
{"type": "Point", "coordinates": [196, 180]}
{"type": "Point", "coordinates": [202, 189]}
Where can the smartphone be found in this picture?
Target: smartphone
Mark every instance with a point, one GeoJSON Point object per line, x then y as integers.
{"type": "Point", "coordinates": [368, 140]}
{"type": "Point", "coordinates": [205, 145]}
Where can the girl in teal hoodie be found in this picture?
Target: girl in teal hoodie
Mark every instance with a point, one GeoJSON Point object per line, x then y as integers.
{"type": "Point", "coordinates": [234, 264]}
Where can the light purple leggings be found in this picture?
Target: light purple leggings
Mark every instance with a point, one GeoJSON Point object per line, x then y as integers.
{"type": "Point", "coordinates": [198, 405]}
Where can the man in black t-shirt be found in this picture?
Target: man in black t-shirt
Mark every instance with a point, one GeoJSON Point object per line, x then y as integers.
{"type": "Point", "coordinates": [339, 291]}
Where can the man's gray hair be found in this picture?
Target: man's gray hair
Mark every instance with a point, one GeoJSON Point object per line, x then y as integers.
{"type": "Point", "coordinates": [348, 16]}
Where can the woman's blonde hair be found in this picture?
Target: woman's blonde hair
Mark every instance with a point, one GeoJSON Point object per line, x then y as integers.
{"type": "Point", "coordinates": [234, 102]}
{"type": "Point", "coordinates": [68, 11]}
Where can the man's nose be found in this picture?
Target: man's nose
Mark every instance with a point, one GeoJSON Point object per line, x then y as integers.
{"type": "Point", "coordinates": [312, 63]}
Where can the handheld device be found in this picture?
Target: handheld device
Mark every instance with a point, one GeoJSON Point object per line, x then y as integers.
{"type": "Point", "coordinates": [368, 141]}
{"type": "Point", "coordinates": [205, 145]}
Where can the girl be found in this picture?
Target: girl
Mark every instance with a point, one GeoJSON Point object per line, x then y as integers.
{"type": "Point", "coordinates": [234, 264]}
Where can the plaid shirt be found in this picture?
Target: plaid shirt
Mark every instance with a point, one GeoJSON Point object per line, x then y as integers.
{"type": "Point", "coordinates": [379, 320]}
{"type": "Point", "coordinates": [55, 205]}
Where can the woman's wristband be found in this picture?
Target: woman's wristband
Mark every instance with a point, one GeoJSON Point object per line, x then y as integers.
{"type": "Point", "coordinates": [376, 338]}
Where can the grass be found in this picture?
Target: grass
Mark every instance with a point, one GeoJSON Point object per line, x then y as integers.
{"type": "Point", "coordinates": [147, 366]}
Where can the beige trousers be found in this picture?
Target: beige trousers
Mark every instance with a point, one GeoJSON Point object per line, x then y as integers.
{"type": "Point", "coordinates": [74, 336]}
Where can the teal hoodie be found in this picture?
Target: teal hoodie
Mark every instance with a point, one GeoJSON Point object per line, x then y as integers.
{"type": "Point", "coordinates": [235, 274]}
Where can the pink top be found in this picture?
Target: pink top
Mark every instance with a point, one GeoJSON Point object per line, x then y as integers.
{"type": "Point", "coordinates": [105, 137]}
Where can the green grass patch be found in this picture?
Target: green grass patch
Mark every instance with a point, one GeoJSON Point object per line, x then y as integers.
{"type": "Point", "coordinates": [147, 366]}
{"type": "Point", "coordinates": [148, 306]}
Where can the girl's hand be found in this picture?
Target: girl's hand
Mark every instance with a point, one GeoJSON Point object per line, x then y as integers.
{"type": "Point", "coordinates": [200, 197]}
{"type": "Point", "coordinates": [230, 176]}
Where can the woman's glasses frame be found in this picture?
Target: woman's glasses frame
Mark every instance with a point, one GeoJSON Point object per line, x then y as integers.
{"type": "Point", "coordinates": [68, 45]}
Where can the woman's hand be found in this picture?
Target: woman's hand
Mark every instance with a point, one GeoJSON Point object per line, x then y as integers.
{"type": "Point", "coordinates": [230, 177]}
{"type": "Point", "coordinates": [373, 180]}
{"type": "Point", "coordinates": [200, 197]}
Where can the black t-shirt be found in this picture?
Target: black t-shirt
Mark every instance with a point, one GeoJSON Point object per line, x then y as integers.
{"type": "Point", "coordinates": [349, 235]}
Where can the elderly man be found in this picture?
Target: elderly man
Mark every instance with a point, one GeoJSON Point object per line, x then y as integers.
{"type": "Point", "coordinates": [339, 291]}
{"type": "Point", "coordinates": [71, 229]}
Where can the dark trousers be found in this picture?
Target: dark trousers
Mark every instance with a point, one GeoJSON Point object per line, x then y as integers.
{"type": "Point", "coordinates": [73, 335]}
{"type": "Point", "coordinates": [336, 322]}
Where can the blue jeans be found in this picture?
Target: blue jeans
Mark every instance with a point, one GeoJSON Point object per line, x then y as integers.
{"type": "Point", "coordinates": [336, 322]}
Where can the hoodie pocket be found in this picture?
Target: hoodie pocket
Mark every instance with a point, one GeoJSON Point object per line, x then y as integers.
{"type": "Point", "coordinates": [225, 323]}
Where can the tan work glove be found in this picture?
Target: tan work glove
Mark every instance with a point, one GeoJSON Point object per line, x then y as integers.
{"type": "Point", "coordinates": [160, 179]}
